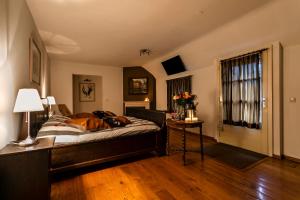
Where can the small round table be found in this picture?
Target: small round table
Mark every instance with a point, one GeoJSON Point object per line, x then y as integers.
{"type": "Point", "coordinates": [182, 125]}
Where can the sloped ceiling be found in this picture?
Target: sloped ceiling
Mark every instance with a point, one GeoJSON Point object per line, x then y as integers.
{"type": "Point", "coordinates": [111, 32]}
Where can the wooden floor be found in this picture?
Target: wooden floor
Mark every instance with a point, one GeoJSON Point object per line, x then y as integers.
{"type": "Point", "coordinates": [166, 178]}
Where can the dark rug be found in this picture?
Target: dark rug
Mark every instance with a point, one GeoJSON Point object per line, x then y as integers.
{"type": "Point", "coordinates": [236, 157]}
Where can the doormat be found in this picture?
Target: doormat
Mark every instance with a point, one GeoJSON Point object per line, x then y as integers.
{"type": "Point", "coordinates": [235, 157]}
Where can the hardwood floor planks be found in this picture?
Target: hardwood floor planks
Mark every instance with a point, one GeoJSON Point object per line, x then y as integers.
{"type": "Point", "coordinates": [165, 178]}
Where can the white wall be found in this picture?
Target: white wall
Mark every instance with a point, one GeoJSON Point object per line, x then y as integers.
{"type": "Point", "coordinates": [292, 109]}
{"type": "Point", "coordinates": [14, 68]}
{"type": "Point", "coordinates": [112, 81]}
{"type": "Point", "coordinates": [277, 21]}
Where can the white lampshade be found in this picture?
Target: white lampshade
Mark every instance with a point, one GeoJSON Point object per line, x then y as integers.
{"type": "Point", "coordinates": [28, 100]}
{"type": "Point", "coordinates": [51, 100]}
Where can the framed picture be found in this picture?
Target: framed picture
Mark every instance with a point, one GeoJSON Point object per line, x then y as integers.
{"type": "Point", "coordinates": [35, 62]}
{"type": "Point", "coordinates": [138, 86]}
{"type": "Point", "coordinates": [86, 92]}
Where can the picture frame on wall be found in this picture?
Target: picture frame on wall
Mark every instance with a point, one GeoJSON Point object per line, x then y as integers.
{"type": "Point", "coordinates": [138, 86]}
{"type": "Point", "coordinates": [87, 92]}
{"type": "Point", "coordinates": [35, 62]}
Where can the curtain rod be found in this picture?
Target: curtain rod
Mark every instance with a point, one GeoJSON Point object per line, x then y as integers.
{"type": "Point", "coordinates": [244, 55]}
{"type": "Point", "coordinates": [179, 78]}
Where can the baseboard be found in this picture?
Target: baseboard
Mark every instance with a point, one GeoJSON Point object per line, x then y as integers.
{"type": "Point", "coordinates": [193, 133]}
{"type": "Point", "coordinates": [204, 136]}
{"type": "Point", "coordinates": [292, 158]}
{"type": "Point", "coordinates": [210, 138]}
{"type": "Point", "coordinates": [279, 157]}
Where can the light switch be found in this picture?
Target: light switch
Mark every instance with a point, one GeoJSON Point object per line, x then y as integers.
{"type": "Point", "coordinates": [292, 99]}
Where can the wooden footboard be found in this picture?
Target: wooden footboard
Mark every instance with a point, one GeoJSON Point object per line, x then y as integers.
{"type": "Point", "coordinates": [90, 153]}
{"type": "Point", "coordinates": [157, 117]}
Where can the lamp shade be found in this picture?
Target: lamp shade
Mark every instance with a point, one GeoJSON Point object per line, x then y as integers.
{"type": "Point", "coordinates": [51, 100]}
{"type": "Point", "coordinates": [28, 100]}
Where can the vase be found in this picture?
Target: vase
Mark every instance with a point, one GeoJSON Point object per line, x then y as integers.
{"type": "Point", "coordinates": [180, 112]}
{"type": "Point", "coordinates": [190, 111]}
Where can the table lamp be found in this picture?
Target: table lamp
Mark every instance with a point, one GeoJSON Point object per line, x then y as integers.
{"type": "Point", "coordinates": [147, 99]}
{"type": "Point", "coordinates": [51, 101]}
{"type": "Point", "coordinates": [28, 100]}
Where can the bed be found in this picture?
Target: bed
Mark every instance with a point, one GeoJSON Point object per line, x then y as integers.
{"type": "Point", "coordinates": [147, 133]}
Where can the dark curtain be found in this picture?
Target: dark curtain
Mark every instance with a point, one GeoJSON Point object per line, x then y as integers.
{"type": "Point", "coordinates": [242, 91]}
{"type": "Point", "coordinates": [176, 86]}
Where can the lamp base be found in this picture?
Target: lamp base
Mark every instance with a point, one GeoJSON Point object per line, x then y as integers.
{"type": "Point", "coordinates": [27, 142]}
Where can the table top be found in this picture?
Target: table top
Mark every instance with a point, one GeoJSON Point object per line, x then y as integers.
{"type": "Point", "coordinates": [43, 143]}
{"type": "Point", "coordinates": [172, 122]}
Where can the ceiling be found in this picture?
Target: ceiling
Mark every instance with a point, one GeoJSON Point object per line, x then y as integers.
{"type": "Point", "coordinates": [111, 32]}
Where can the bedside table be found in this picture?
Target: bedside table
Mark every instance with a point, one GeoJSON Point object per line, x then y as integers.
{"type": "Point", "coordinates": [182, 125]}
{"type": "Point", "coordinates": [24, 171]}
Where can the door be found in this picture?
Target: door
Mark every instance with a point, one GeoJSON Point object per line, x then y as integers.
{"type": "Point", "coordinates": [252, 139]}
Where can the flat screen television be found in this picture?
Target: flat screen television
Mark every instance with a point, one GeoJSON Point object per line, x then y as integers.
{"type": "Point", "coordinates": [173, 65]}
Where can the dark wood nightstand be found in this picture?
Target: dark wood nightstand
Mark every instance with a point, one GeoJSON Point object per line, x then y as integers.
{"type": "Point", "coordinates": [24, 171]}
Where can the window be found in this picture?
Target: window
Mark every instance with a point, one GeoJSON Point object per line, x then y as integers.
{"type": "Point", "coordinates": [242, 90]}
{"type": "Point", "coordinates": [176, 86]}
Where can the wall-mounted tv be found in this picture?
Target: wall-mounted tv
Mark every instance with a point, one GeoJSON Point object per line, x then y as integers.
{"type": "Point", "coordinates": [173, 65]}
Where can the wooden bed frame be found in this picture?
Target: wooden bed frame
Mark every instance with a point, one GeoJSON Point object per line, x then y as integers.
{"type": "Point", "coordinates": [74, 156]}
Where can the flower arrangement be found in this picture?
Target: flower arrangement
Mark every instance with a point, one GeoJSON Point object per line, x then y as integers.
{"type": "Point", "coordinates": [184, 98]}
{"type": "Point", "coordinates": [184, 105]}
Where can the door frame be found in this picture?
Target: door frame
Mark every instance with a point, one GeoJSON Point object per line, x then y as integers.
{"type": "Point", "coordinates": [274, 136]}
